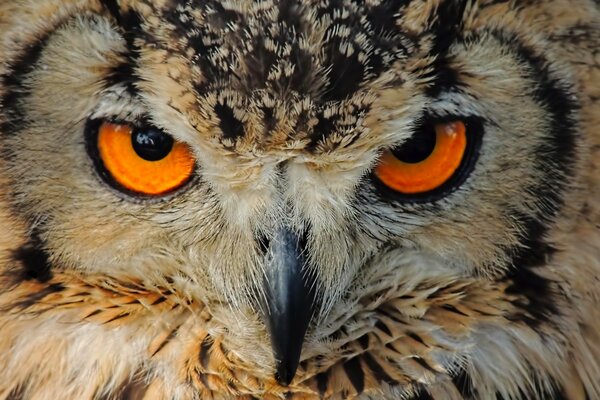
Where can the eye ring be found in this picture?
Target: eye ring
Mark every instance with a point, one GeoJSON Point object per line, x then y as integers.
{"type": "Point", "coordinates": [424, 169]}
{"type": "Point", "coordinates": [139, 160]}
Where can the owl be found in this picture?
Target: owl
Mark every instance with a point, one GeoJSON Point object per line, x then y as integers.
{"type": "Point", "coordinates": [300, 199]}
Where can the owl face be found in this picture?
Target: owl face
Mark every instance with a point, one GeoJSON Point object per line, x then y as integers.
{"type": "Point", "coordinates": [276, 158]}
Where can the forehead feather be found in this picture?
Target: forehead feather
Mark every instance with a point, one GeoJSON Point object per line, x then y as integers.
{"type": "Point", "coordinates": [277, 70]}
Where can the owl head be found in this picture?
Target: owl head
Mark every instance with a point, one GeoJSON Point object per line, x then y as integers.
{"type": "Point", "coordinates": [294, 164]}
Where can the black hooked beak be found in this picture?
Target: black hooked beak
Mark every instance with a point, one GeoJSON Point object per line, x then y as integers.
{"type": "Point", "coordinates": [290, 301]}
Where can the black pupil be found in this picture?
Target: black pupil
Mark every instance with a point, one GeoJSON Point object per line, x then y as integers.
{"type": "Point", "coordinates": [418, 148]}
{"type": "Point", "coordinates": [151, 144]}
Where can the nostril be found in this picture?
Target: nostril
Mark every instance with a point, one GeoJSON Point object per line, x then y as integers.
{"type": "Point", "coordinates": [263, 242]}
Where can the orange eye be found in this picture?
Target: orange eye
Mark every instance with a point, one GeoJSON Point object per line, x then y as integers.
{"type": "Point", "coordinates": [144, 160]}
{"type": "Point", "coordinates": [426, 161]}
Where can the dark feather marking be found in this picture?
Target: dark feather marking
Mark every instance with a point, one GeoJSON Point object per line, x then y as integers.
{"type": "Point", "coordinates": [95, 312]}
{"type": "Point", "coordinates": [204, 379]}
{"type": "Point", "coordinates": [389, 315]}
{"type": "Point", "coordinates": [11, 114]}
{"type": "Point", "coordinates": [383, 16]}
{"type": "Point", "coordinates": [416, 337]}
{"type": "Point", "coordinates": [345, 76]}
{"type": "Point", "coordinates": [364, 341]}
{"type": "Point", "coordinates": [424, 364]}
{"type": "Point", "coordinates": [446, 25]}
{"type": "Point", "coordinates": [421, 393]}
{"type": "Point", "coordinates": [168, 339]}
{"type": "Point", "coordinates": [118, 317]}
{"type": "Point", "coordinates": [34, 261]}
{"type": "Point", "coordinates": [322, 381]}
{"type": "Point", "coordinates": [378, 370]}
{"type": "Point", "coordinates": [383, 327]}
{"type": "Point", "coordinates": [205, 348]}
{"type": "Point", "coordinates": [324, 128]}
{"type": "Point", "coordinates": [203, 41]}
{"type": "Point", "coordinates": [17, 393]}
{"type": "Point", "coordinates": [158, 301]}
{"type": "Point", "coordinates": [122, 73]}
{"type": "Point", "coordinates": [37, 297]}
{"type": "Point", "coordinates": [454, 310]}
{"type": "Point", "coordinates": [355, 374]}
{"type": "Point", "coordinates": [231, 127]}
{"type": "Point", "coordinates": [133, 286]}
{"type": "Point", "coordinates": [464, 384]}
{"type": "Point", "coordinates": [113, 8]}
{"type": "Point", "coordinates": [556, 156]}
{"type": "Point", "coordinates": [134, 390]}
{"type": "Point", "coordinates": [130, 24]}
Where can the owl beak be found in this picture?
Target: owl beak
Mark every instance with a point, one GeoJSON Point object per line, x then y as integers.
{"type": "Point", "coordinates": [290, 301]}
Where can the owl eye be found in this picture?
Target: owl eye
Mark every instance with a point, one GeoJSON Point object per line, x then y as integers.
{"type": "Point", "coordinates": [144, 159]}
{"type": "Point", "coordinates": [429, 161]}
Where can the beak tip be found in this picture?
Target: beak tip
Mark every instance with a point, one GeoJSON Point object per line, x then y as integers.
{"type": "Point", "coordinates": [285, 374]}
{"type": "Point", "coordinates": [287, 348]}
